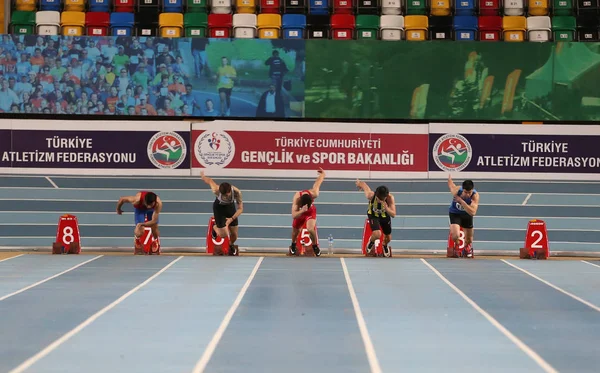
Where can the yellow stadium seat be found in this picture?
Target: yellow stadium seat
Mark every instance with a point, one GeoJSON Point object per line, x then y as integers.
{"type": "Point", "coordinates": [415, 27]}
{"type": "Point", "coordinates": [72, 23]}
{"type": "Point", "coordinates": [539, 8]}
{"type": "Point", "coordinates": [74, 5]}
{"type": "Point", "coordinates": [26, 5]}
{"type": "Point", "coordinates": [514, 28]}
{"type": "Point", "coordinates": [269, 26]}
{"type": "Point", "coordinates": [170, 25]}
{"type": "Point", "coordinates": [245, 6]}
{"type": "Point", "coordinates": [440, 7]}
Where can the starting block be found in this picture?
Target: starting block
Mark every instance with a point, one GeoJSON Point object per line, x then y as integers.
{"type": "Point", "coordinates": [68, 240]}
{"type": "Point", "coordinates": [378, 246]}
{"type": "Point", "coordinates": [148, 247]}
{"type": "Point", "coordinates": [536, 241]}
{"type": "Point", "coordinates": [304, 243]}
{"type": "Point", "coordinates": [450, 252]}
{"type": "Point", "coordinates": [216, 245]}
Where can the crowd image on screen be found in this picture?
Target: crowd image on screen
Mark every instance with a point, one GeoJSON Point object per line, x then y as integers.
{"type": "Point", "coordinates": [97, 76]}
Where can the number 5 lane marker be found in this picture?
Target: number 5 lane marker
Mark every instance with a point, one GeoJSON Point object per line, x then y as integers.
{"type": "Point", "coordinates": [48, 279]}
{"type": "Point", "coordinates": [555, 287]}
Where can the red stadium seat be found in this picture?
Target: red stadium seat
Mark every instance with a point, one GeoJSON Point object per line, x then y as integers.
{"type": "Point", "coordinates": [343, 6]}
{"type": "Point", "coordinates": [124, 6]}
{"type": "Point", "coordinates": [219, 25]}
{"type": "Point", "coordinates": [342, 26]}
{"type": "Point", "coordinates": [489, 7]}
{"type": "Point", "coordinates": [490, 28]}
{"type": "Point", "coordinates": [97, 23]}
{"type": "Point", "coordinates": [270, 6]}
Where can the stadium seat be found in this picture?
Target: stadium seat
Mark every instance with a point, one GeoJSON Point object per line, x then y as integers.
{"type": "Point", "coordinates": [465, 28]}
{"type": "Point", "coordinates": [539, 28]}
{"type": "Point", "coordinates": [562, 8]}
{"type": "Point", "coordinates": [367, 26]}
{"type": "Point", "coordinates": [514, 8]}
{"type": "Point", "coordinates": [245, 6]}
{"type": "Point", "coordinates": [50, 5]}
{"type": "Point", "coordinates": [123, 6]}
{"type": "Point", "coordinates": [146, 22]}
{"type": "Point", "coordinates": [465, 8]}
{"type": "Point", "coordinates": [391, 7]}
{"type": "Point", "coordinates": [416, 27]}
{"type": "Point", "coordinates": [244, 26]}
{"type": "Point", "coordinates": [564, 28]}
{"type": "Point", "coordinates": [392, 27]}
{"type": "Point", "coordinates": [219, 25]}
{"type": "Point", "coordinates": [25, 5]}
{"type": "Point", "coordinates": [195, 24]}
{"type": "Point", "coordinates": [317, 26]}
{"type": "Point", "coordinates": [22, 23]}
{"type": "Point", "coordinates": [47, 22]}
{"type": "Point", "coordinates": [270, 6]}
{"type": "Point", "coordinates": [72, 23]}
{"type": "Point", "coordinates": [369, 7]}
{"type": "Point", "coordinates": [587, 28]}
{"type": "Point", "coordinates": [342, 26]}
{"type": "Point", "coordinates": [489, 7]}
{"type": "Point", "coordinates": [97, 23]}
{"type": "Point", "coordinates": [99, 6]}
{"type": "Point", "coordinates": [439, 8]}
{"type": "Point", "coordinates": [294, 26]}
{"type": "Point", "coordinates": [121, 24]}
{"type": "Point", "coordinates": [440, 28]}
{"type": "Point", "coordinates": [294, 6]}
{"type": "Point", "coordinates": [538, 8]}
{"type": "Point", "coordinates": [318, 7]}
{"type": "Point", "coordinates": [343, 6]}
{"type": "Point", "coordinates": [490, 28]}
{"type": "Point", "coordinates": [172, 6]}
{"type": "Point", "coordinates": [514, 28]}
{"type": "Point", "coordinates": [196, 6]}
{"type": "Point", "coordinates": [587, 7]}
{"type": "Point", "coordinates": [170, 25]}
{"type": "Point", "coordinates": [74, 5]}
{"type": "Point", "coordinates": [416, 7]}
{"type": "Point", "coordinates": [269, 26]}
{"type": "Point", "coordinates": [148, 6]}
{"type": "Point", "coordinates": [221, 7]}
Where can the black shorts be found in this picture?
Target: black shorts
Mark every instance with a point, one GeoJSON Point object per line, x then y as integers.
{"type": "Point", "coordinates": [222, 213]}
{"type": "Point", "coordinates": [464, 220]}
{"type": "Point", "coordinates": [383, 224]}
{"type": "Point", "coordinates": [227, 91]}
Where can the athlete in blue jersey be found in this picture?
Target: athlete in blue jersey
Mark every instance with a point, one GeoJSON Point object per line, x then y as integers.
{"type": "Point", "coordinates": [462, 210]}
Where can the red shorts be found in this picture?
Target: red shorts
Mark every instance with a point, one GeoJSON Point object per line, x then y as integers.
{"type": "Point", "coordinates": [311, 213]}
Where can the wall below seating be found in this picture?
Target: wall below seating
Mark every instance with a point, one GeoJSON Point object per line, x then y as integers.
{"type": "Point", "coordinates": [313, 79]}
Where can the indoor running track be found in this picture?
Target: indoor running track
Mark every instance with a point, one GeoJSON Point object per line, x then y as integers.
{"type": "Point", "coordinates": [117, 313]}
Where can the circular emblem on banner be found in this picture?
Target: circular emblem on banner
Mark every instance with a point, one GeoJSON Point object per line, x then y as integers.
{"type": "Point", "coordinates": [167, 150]}
{"type": "Point", "coordinates": [214, 149]}
{"type": "Point", "coordinates": [452, 152]}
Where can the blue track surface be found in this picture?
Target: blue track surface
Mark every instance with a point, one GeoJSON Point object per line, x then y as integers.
{"type": "Point", "coordinates": [296, 315]}
{"type": "Point", "coordinates": [30, 208]}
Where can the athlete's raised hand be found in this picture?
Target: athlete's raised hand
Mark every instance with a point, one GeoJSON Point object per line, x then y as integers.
{"type": "Point", "coordinates": [320, 171]}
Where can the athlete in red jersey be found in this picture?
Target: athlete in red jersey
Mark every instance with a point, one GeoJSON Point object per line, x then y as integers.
{"type": "Point", "coordinates": [304, 211]}
{"type": "Point", "coordinates": [146, 205]}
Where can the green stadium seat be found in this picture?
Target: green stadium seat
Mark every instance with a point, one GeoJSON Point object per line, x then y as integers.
{"type": "Point", "coordinates": [564, 28]}
{"type": "Point", "coordinates": [416, 7]}
{"type": "Point", "coordinates": [367, 27]}
{"type": "Point", "coordinates": [196, 6]}
{"type": "Point", "coordinates": [22, 23]}
{"type": "Point", "coordinates": [195, 24]}
{"type": "Point", "coordinates": [562, 7]}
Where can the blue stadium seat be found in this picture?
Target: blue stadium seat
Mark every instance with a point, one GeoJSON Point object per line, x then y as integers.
{"type": "Point", "coordinates": [465, 28]}
{"type": "Point", "coordinates": [52, 5]}
{"type": "Point", "coordinates": [318, 7]}
{"type": "Point", "coordinates": [121, 24]}
{"type": "Point", "coordinates": [99, 5]}
{"type": "Point", "coordinates": [294, 26]}
{"type": "Point", "coordinates": [465, 8]}
{"type": "Point", "coordinates": [172, 6]}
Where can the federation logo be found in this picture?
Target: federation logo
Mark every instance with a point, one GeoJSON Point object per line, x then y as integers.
{"type": "Point", "coordinates": [214, 149]}
{"type": "Point", "coordinates": [452, 152]}
{"type": "Point", "coordinates": [167, 150]}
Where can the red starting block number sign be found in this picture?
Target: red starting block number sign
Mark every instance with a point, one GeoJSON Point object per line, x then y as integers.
{"type": "Point", "coordinates": [461, 243]}
{"type": "Point", "coordinates": [211, 241]}
{"type": "Point", "coordinates": [303, 240]}
{"type": "Point", "coordinates": [67, 234]}
{"type": "Point", "coordinates": [536, 241]}
{"type": "Point", "coordinates": [147, 240]}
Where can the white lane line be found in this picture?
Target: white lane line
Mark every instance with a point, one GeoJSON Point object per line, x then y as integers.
{"type": "Point", "coordinates": [362, 325]}
{"type": "Point", "coordinates": [48, 279]}
{"type": "Point", "coordinates": [592, 264]}
{"type": "Point", "coordinates": [592, 306]}
{"type": "Point", "coordinates": [52, 182]}
{"type": "Point", "coordinates": [526, 349]}
{"type": "Point", "coordinates": [212, 345]}
{"type": "Point", "coordinates": [526, 199]}
{"type": "Point", "coordinates": [12, 257]}
{"type": "Point", "coordinates": [54, 345]}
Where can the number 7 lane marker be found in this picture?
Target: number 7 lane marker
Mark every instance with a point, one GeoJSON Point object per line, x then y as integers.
{"type": "Point", "coordinates": [48, 279]}
{"type": "Point", "coordinates": [594, 307]}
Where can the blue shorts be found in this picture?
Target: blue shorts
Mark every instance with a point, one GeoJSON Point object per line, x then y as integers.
{"type": "Point", "coordinates": [140, 215]}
